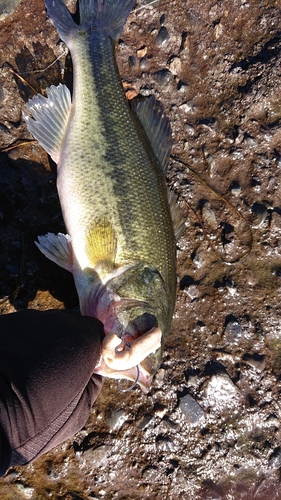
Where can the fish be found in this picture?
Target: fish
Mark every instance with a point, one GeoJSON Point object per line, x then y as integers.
{"type": "Point", "coordinates": [122, 223]}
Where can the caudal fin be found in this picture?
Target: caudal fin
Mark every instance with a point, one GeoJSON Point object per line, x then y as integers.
{"type": "Point", "coordinates": [61, 19]}
{"type": "Point", "coordinates": [105, 15]}
{"type": "Point", "coordinates": [108, 16]}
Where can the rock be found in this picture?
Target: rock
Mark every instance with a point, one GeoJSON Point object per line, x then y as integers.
{"type": "Point", "coordinates": [182, 87]}
{"type": "Point", "coordinates": [142, 52]}
{"type": "Point", "coordinates": [256, 183]}
{"type": "Point", "coordinates": [165, 443]}
{"type": "Point", "coordinates": [191, 409]}
{"type": "Point", "coordinates": [2, 97]}
{"type": "Point", "coordinates": [163, 78]}
{"type": "Point", "coordinates": [278, 161]}
{"type": "Point", "coordinates": [175, 65]}
{"type": "Point", "coordinates": [185, 44]}
{"type": "Point", "coordinates": [145, 91]}
{"type": "Point", "coordinates": [275, 220]}
{"type": "Point", "coordinates": [162, 37]}
{"type": "Point", "coordinates": [145, 421]}
{"type": "Point", "coordinates": [189, 129]}
{"type": "Point", "coordinates": [10, 476]}
{"type": "Point", "coordinates": [199, 258]}
{"type": "Point", "coordinates": [132, 62]}
{"type": "Point", "coordinates": [186, 107]}
{"type": "Point", "coordinates": [192, 380]}
{"type": "Point", "coordinates": [54, 474]}
{"type": "Point", "coordinates": [209, 159]}
{"type": "Point", "coordinates": [213, 12]}
{"type": "Point", "coordinates": [7, 7]}
{"type": "Point", "coordinates": [71, 5]}
{"type": "Point", "coordinates": [255, 360]}
{"type": "Point", "coordinates": [250, 141]}
{"type": "Point", "coordinates": [121, 44]}
{"type": "Point", "coordinates": [221, 392]}
{"type": "Point", "coordinates": [230, 286]}
{"type": "Point", "coordinates": [259, 214]}
{"type": "Point", "coordinates": [25, 491]}
{"type": "Point", "coordinates": [233, 331]}
{"type": "Point", "coordinates": [97, 455]}
{"type": "Point", "coordinates": [235, 188]}
{"type": "Point", "coordinates": [170, 424]}
{"type": "Point", "coordinates": [160, 410]}
{"type": "Point", "coordinates": [153, 31]}
{"type": "Point", "coordinates": [159, 377]}
{"type": "Point", "coordinates": [115, 418]}
{"type": "Point", "coordinates": [3, 129]}
{"type": "Point", "coordinates": [150, 473]}
{"type": "Point", "coordinates": [131, 94]}
{"type": "Point", "coordinates": [144, 64]}
{"type": "Point", "coordinates": [192, 291]}
{"type": "Point", "coordinates": [274, 461]}
{"type": "Point", "coordinates": [251, 277]}
{"type": "Point", "coordinates": [208, 215]}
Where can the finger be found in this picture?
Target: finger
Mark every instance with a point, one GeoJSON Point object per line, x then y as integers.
{"type": "Point", "coordinates": [139, 349]}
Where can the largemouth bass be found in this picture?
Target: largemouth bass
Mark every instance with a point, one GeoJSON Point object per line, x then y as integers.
{"type": "Point", "coordinates": [111, 166]}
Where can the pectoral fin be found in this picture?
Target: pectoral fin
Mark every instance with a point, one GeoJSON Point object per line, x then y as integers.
{"type": "Point", "coordinates": [57, 248]}
{"type": "Point", "coordinates": [101, 244]}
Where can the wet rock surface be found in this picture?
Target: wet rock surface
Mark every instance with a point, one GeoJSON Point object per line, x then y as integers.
{"type": "Point", "coordinates": [210, 426]}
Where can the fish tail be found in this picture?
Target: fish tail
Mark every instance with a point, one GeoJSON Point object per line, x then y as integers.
{"type": "Point", "coordinates": [61, 19]}
{"type": "Point", "coordinates": [108, 16]}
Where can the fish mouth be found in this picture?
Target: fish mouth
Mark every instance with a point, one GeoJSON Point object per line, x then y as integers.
{"type": "Point", "coordinates": [143, 378]}
{"type": "Point", "coordinates": [119, 359]}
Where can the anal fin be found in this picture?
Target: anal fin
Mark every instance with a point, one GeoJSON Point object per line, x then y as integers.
{"type": "Point", "coordinates": [156, 125]}
{"type": "Point", "coordinates": [176, 214]}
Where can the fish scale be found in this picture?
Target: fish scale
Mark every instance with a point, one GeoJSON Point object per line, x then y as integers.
{"type": "Point", "coordinates": [121, 245]}
{"type": "Point", "coordinates": [120, 181]}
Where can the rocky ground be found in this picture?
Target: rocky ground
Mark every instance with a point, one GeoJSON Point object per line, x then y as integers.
{"type": "Point", "coordinates": [210, 427]}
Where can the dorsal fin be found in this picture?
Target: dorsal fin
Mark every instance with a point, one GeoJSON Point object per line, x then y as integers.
{"type": "Point", "coordinates": [49, 118]}
{"type": "Point", "coordinates": [156, 125]}
{"type": "Point", "coordinates": [176, 214]}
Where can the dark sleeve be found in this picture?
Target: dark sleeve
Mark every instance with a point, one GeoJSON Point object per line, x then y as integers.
{"type": "Point", "coordinates": [47, 385]}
